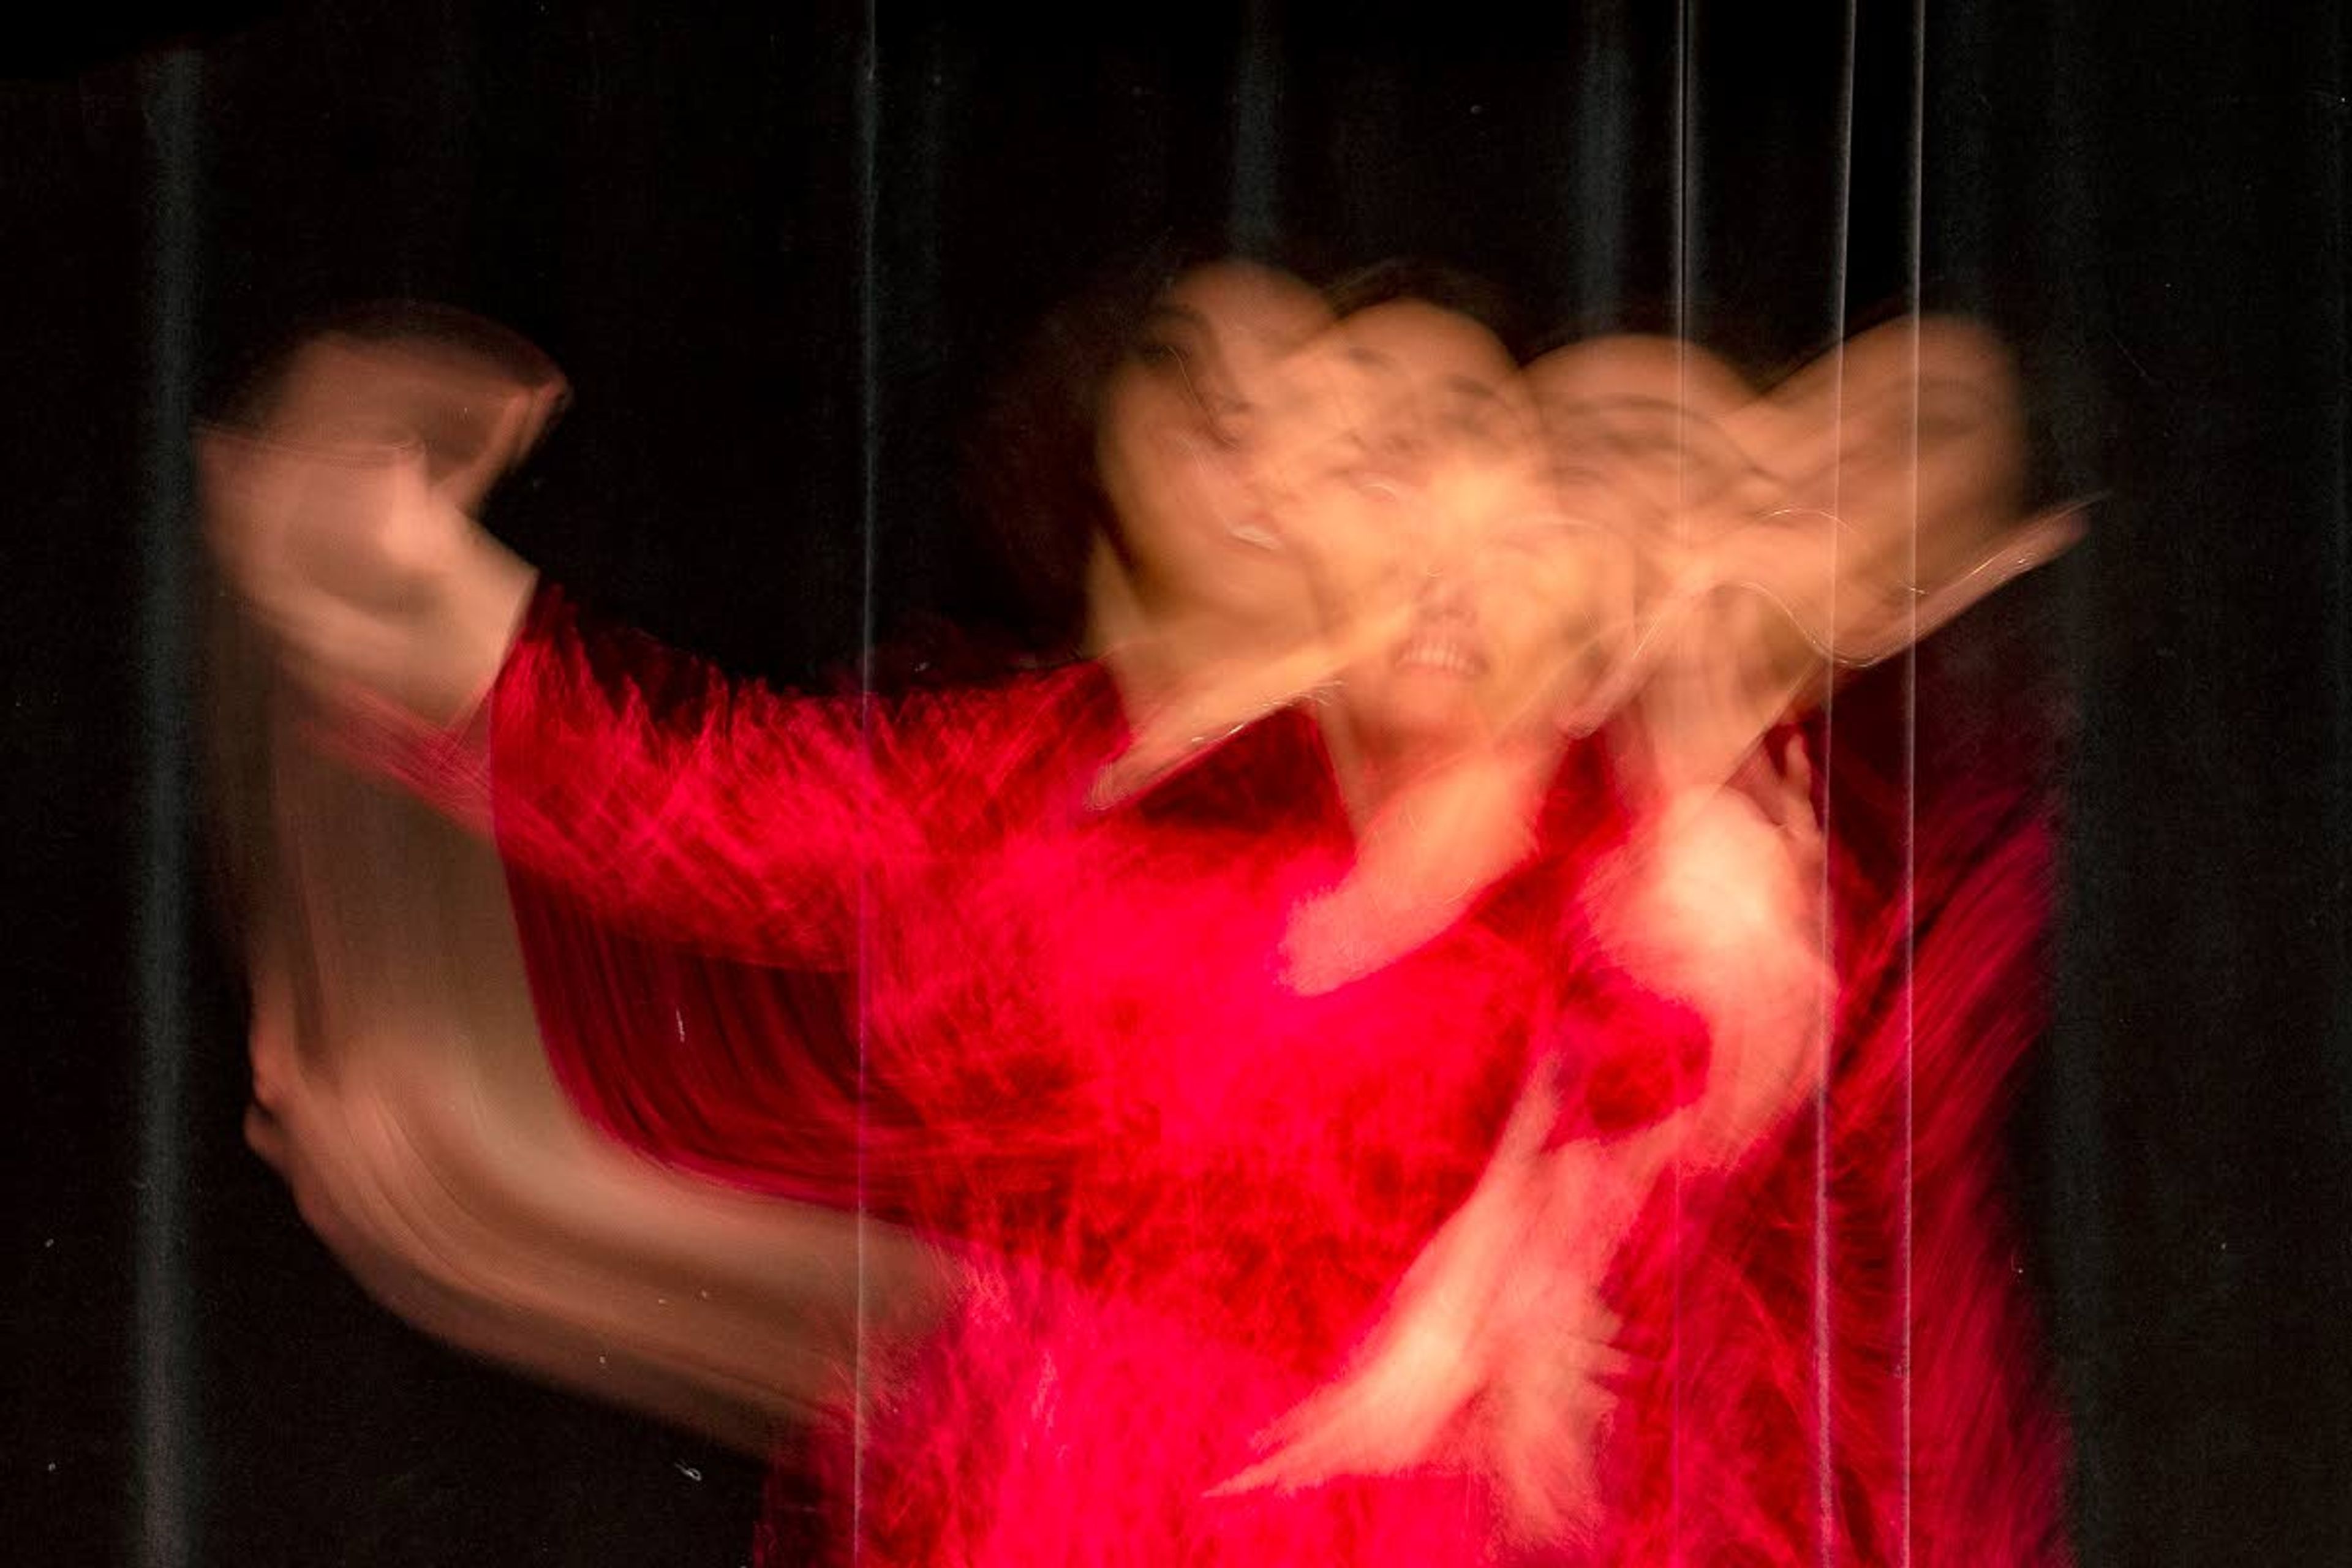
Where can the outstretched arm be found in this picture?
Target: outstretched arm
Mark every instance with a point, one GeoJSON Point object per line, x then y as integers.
{"type": "Point", "coordinates": [399, 1081]}
{"type": "Point", "coordinates": [341, 506]}
{"type": "Point", "coordinates": [701, 809]}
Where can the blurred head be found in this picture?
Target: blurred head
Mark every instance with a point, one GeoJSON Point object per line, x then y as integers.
{"type": "Point", "coordinates": [1120, 458]}
{"type": "Point", "coordinates": [1641, 432]}
{"type": "Point", "coordinates": [1191, 422]}
{"type": "Point", "coordinates": [1433, 516]}
{"type": "Point", "coordinates": [1932, 449]}
{"type": "Point", "coordinates": [1887, 468]}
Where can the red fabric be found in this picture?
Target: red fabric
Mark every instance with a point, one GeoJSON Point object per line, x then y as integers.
{"type": "Point", "coordinates": [888, 954]}
{"type": "Point", "coordinates": [1770, 1317]}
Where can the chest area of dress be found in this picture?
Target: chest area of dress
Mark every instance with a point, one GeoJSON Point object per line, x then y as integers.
{"type": "Point", "coordinates": [1104, 1015]}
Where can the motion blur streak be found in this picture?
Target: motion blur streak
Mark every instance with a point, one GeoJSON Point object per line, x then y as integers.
{"type": "Point", "coordinates": [1337, 1074]}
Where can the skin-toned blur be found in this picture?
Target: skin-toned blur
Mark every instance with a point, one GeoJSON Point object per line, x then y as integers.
{"type": "Point", "coordinates": [1187, 420]}
{"type": "Point", "coordinates": [1462, 564]}
{"type": "Point", "coordinates": [1438, 529]}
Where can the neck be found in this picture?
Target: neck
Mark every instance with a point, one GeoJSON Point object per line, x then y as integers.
{"type": "Point", "coordinates": [1439, 824]}
{"type": "Point", "coordinates": [1430, 838]}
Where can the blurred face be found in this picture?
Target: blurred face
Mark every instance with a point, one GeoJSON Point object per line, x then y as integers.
{"type": "Point", "coordinates": [1186, 422]}
{"type": "Point", "coordinates": [1649, 435]}
{"type": "Point", "coordinates": [1434, 525]}
{"type": "Point", "coordinates": [1891, 464]}
{"type": "Point", "coordinates": [1929, 454]}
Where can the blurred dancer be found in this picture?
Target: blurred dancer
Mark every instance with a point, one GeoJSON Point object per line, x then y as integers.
{"type": "Point", "coordinates": [1460, 751]}
{"type": "Point", "coordinates": [1177, 1181]}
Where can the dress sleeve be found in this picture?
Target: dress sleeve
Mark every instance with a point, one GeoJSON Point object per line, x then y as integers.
{"type": "Point", "coordinates": [687, 807]}
{"type": "Point", "coordinates": [695, 862]}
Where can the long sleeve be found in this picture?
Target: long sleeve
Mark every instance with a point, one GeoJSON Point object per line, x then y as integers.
{"type": "Point", "coordinates": [685, 805]}
{"type": "Point", "coordinates": [718, 813]}
{"type": "Point", "coordinates": [696, 862]}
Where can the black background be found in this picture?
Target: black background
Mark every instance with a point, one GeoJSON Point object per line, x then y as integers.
{"type": "Point", "coordinates": [777, 249]}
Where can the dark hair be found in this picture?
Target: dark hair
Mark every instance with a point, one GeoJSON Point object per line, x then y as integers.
{"type": "Point", "coordinates": [1029, 475]}
{"type": "Point", "coordinates": [1027, 462]}
{"type": "Point", "coordinates": [1029, 478]}
{"type": "Point", "coordinates": [1429, 283]}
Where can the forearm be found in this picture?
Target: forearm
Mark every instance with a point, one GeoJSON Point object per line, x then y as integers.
{"type": "Point", "coordinates": [567, 1260]}
{"type": "Point", "coordinates": [402, 1089]}
{"type": "Point", "coordinates": [447, 660]}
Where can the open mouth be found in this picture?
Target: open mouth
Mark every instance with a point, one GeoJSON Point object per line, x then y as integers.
{"type": "Point", "coordinates": [1443, 652]}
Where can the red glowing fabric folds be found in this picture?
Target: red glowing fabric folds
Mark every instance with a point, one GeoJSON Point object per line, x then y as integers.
{"type": "Point", "coordinates": [886, 954]}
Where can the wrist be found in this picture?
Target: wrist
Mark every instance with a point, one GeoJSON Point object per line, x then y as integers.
{"type": "Point", "coordinates": [462, 642]}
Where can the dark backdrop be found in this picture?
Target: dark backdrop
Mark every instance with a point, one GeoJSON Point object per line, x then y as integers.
{"type": "Point", "coordinates": [778, 251]}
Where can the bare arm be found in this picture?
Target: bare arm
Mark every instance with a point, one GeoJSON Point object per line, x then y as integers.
{"type": "Point", "coordinates": [699, 808]}
{"type": "Point", "coordinates": [401, 1085]}
{"type": "Point", "coordinates": [402, 1090]}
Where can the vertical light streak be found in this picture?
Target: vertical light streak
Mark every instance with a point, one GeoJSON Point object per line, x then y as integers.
{"type": "Point", "coordinates": [1825, 1039]}
{"type": "Point", "coordinates": [870, 123]}
{"type": "Point", "coordinates": [1603, 151]}
{"type": "Point", "coordinates": [1908, 892]}
{"type": "Point", "coordinates": [1680, 266]}
{"type": "Point", "coordinates": [165, 1474]}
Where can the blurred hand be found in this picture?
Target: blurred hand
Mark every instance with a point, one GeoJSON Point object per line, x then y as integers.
{"type": "Point", "coordinates": [1497, 1352]}
{"type": "Point", "coordinates": [1718, 904]}
{"type": "Point", "coordinates": [342, 515]}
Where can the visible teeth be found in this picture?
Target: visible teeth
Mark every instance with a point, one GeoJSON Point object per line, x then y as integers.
{"type": "Point", "coordinates": [1447, 657]}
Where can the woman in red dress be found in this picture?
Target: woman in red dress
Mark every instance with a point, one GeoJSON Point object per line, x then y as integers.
{"type": "Point", "coordinates": [1185, 1054]}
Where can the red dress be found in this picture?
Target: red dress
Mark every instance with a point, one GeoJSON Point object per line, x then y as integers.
{"type": "Point", "coordinates": [1178, 1190]}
